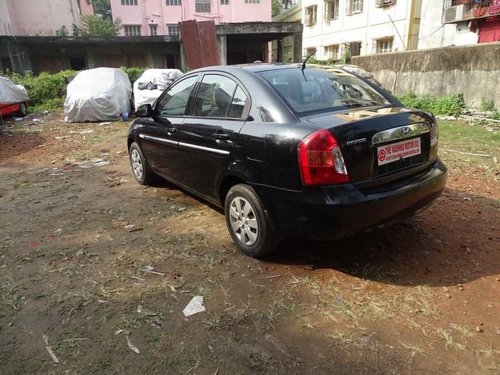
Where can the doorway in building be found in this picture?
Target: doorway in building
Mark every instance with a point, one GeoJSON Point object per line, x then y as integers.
{"type": "Point", "coordinates": [77, 63]}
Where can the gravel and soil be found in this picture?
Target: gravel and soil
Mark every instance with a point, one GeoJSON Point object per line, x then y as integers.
{"type": "Point", "coordinates": [95, 271]}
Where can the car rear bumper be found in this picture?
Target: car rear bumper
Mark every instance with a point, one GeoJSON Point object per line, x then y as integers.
{"type": "Point", "coordinates": [329, 213]}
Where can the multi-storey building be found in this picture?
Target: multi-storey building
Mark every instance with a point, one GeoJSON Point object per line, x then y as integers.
{"type": "Point", "coordinates": [459, 22]}
{"type": "Point", "coordinates": [161, 17]}
{"type": "Point", "coordinates": [28, 17]}
{"type": "Point", "coordinates": [361, 26]}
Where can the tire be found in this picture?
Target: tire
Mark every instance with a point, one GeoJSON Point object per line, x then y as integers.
{"type": "Point", "coordinates": [23, 110]}
{"type": "Point", "coordinates": [139, 165]}
{"type": "Point", "coordinates": [247, 222]}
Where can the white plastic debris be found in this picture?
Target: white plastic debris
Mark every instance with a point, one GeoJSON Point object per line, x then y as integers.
{"type": "Point", "coordinates": [194, 306]}
{"type": "Point", "coordinates": [152, 83]}
{"type": "Point", "coordinates": [132, 346]}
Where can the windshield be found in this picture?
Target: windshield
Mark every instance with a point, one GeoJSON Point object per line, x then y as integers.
{"type": "Point", "coordinates": [314, 90]}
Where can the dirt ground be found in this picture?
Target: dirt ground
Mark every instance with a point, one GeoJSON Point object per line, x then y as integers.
{"type": "Point", "coordinates": [95, 271]}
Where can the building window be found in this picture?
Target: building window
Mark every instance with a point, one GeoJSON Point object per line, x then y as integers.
{"type": "Point", "coordinates": [331, 9]}
{"type": "Point", "coordinates": [252, 1]}
{"type": "Point", "coordinates": [132, 30]}
{"type": "Point", "coordinates": [310, 51]}
{"type": "Point", "coordinates": [384, 45]}
{"type": "Point", "coordinates": [129, 2]}
{"type": "Point", "coordinates": [354, 7]}
{"type": "Point", "coordinates": [332, 52]}
{"type": "Point", "coordinates": [173, 29]}
{"type": "Point", "coordinates": [202, 6]}
{"type": "Point", "coordinates": [173, 2]}
{"type": "Point", "coordinates": [355, 48]}
{"type": "Point", "coordinates": [224, 2]}
{"type": "Point", "coordinates": [311, 15]}
{"type": "Point", "coordinates": [153, 29]}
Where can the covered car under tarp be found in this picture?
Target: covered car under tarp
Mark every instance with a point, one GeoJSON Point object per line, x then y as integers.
{"type": "Point", "coordinates": [152, 83]}
{"type": "Point", "coordinates": [100, 94]}
{"type": "Point", "coordinates": [12, 93]}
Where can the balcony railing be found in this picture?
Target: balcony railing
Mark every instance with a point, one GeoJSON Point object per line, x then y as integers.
{"type": "Point", "coordinates": [463, 10]}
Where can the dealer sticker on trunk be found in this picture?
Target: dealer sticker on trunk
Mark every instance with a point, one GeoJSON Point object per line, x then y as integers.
{"type": "Point", "coordinates": [397, 151]}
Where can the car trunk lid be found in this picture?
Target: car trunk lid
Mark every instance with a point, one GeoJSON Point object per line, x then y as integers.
{"type": "Point", "coordinates": [383, 143]}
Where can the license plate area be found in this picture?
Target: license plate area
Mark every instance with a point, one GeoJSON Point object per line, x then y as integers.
{"type": "Point", "coordinates": [399, 155]}
{"type": "Point", "coordinates": [398, 151]}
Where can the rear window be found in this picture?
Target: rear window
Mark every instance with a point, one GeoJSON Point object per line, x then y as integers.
{"type": "Point", "coordinates": [314, 90]}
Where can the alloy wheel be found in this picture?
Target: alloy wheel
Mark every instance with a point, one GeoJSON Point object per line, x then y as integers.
{"type": "Point", "coordinates": [243, 221]}
{"type": "Point", "coordinates": [137, 164]}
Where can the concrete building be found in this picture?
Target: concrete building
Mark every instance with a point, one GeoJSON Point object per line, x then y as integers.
{"type": "Point", "coordinates": [362, 26]}
{"type": "Point", "coordinates": [161, 17]}
{"type": "Point", "coordinates": [459, 22]}
{"type": "Point", "coordinates": [28, 17]}
{"type": "Point", "coordinates": [282, 49]}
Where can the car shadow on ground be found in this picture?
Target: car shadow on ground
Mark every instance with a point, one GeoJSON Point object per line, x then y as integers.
{"type": "Point", "coordinates": [453, 242]}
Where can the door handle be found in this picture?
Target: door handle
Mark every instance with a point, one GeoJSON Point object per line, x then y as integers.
{"type": "Point", "coordinates": [221, 136]}
{"type": "Point", "coordinates": [170, 130]}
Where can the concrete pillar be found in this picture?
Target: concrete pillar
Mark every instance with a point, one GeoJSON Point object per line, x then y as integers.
{"type": "Point", "coordinates": [90, 58]}
{"type": "Point", "coordinates": [222, 46]}
{"type": "Point", "coordinates": [297, 47]}
{"type": "Point", "coordinates": [279, 51]}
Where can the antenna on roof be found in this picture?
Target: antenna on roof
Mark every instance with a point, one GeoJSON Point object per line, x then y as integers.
{"type": "Point", "coordinates": [307, 58]}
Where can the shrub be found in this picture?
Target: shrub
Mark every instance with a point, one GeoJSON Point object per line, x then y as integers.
{"type": "Point", "coordinates": [487, 105]}
{"type": "Point", "coordinates": [133, 73]}
{"type": "Point", "coordinates": [446, 105]}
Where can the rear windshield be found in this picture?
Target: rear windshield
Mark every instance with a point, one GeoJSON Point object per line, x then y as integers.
{"type": "Point", "coordinates": [313, 90]}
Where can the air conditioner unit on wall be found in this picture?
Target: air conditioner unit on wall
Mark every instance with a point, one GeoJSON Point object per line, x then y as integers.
{"type": "Point", "coordinates": [453, 14]}
{"type": "Point", "coordinates": [385, 3]}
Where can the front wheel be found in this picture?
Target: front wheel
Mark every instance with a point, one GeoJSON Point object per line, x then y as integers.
{"type": "Point", "coordinates": [247, 223]}
{"type": "Point", "coordinates": [139, 165]}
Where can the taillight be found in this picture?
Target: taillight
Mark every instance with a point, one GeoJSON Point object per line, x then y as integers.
{"type": "Point", "coordinates": [320, 160]}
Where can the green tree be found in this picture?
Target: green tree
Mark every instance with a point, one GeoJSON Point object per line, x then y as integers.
{"type": "Point", "coordinates": [277, 7]}
{"type": "Point", "coordinates": [103, 8]}
{"type": "Point", "coordinates": [96, 25]}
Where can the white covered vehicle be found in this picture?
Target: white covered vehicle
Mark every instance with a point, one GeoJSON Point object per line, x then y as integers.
{"type": "Point", "coordinates": [152, 83]}
{"type": "Point", "coordinates": [13, 98]}
{"type": "Point", "coordinates": [100, 94]}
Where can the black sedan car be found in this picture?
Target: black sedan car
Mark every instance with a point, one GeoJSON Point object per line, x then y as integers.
{"type": "Point", "coordinates": [288, 150]}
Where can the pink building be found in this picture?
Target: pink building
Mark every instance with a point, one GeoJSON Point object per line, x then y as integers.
{"type": "Point", "coordinates": [161, 17]}
{"type": "Point", "coordinates": [29, 17]}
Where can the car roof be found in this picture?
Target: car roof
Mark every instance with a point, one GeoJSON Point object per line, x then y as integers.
{"type": "Point", "coordinates": [254, 68]}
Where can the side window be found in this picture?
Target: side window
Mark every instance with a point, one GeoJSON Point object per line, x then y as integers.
{"type": "Point", "coordinates": [238, 104]}
{"type": "Point", "coordinates": [175, 101]}
{"type": "Point", "coordinates": [214, 96]}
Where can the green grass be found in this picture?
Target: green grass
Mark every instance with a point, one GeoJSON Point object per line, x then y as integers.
{"type": "Point", "coordinates": [475, 138]}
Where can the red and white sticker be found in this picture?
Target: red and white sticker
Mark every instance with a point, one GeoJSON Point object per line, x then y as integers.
{"type": "Point", "coordinates": [397, 151]}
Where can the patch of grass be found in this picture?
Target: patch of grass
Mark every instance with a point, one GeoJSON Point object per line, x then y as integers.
{"type": "Point", "coordinates": [414, 349]}
{"type": "Point", "coordinates": [462, 329]}
{"type": "Point", "coordinates": [450, 342]}
{"type": "Point", "coordinates": [345, 338]}
{"type": "Point", "coordinates": [487, 105]}
{"type": "Point", "coordinates": [472, 138]}
{"type": "Point", "coordinates": [446, 105]}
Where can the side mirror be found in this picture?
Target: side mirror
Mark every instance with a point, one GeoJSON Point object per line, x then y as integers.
{"type": "Point", "coordinates": [144, 110]}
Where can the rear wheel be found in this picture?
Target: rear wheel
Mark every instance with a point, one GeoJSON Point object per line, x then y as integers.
{"type": "Point", "coordinates": [247, 223]}
{"type": "Point", "coordinates": [23, 110]}
{"type": "Point", "coordinates": [139, 165]}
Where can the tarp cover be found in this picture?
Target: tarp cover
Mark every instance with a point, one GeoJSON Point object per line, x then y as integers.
{"type": "Point", "coordinates": [152, 83]}
{"type": "Point", "coordinates": [12, 93]}
{"type": "Point", "coordinates": [100, 94]}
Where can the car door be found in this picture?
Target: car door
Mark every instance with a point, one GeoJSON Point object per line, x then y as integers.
{"type": "Point", "coordinates": [207, 135]}
{"type": "Point", "coordinates": [158, 136]}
